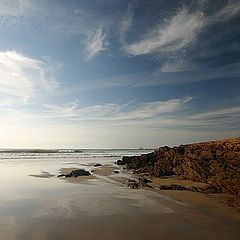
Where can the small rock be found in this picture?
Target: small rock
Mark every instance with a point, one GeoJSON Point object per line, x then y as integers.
{"type": "Point", "coordinates": [68, 175]}
{"type": "Point", "coordinates": [132, 180]}
{"type": "Point", "coordinates": [119, 162]}
{"type": "Point", "coordinates": [144, 180]}
{"type": "Point", "coordinates": [97, 165]}
{"type": "Point", "coordinates": [212, 189]}
{"type": "Point", "coordinates": [133, 185]}
{"type": "Point", "coordinates": [80, 172]}
{"type": "Point", "coordinates": [76, 173]}
{"type": "Point", "coordinates": [116, 171]}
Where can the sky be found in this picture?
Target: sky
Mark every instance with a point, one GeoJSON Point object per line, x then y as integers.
{"type": "Point", "coordinates": [118, 73]}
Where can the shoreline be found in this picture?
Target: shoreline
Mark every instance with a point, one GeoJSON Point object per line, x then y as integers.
{"type": "Point", "coordinates": [102, 206]}
{"type": "Point", "coordinates": [190, 197]}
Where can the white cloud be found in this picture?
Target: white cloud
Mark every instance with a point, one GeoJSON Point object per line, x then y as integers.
{"type": "Point", "coordinates": [153, 109]}
{"type": "Point", "coordinates": [126, 22]}
{"type": "Point", "coordinates": [21, 77]}
{"type": "Point", "coordinates": [230, 111]}
{"type": "Point", "coordinates": [115, 112]}
{"type": "Point", "coordinates": [221, 119]}
{"type": "Point", "coordinates": [66, 110]}
{"type": "Point", "coordinates": [202, 3]}
{"type": "Point", "coordinates": [178, 33]}
{"type": "Point", "coordinates": [74, 111]}
{"type": "Point", "coordinates": [231, 9]}
{"type": "Point", "coordinates": [173, 113]}
{"type": "Point", "coordinates": [184, 72]}
{"type": "Point", "coordinates": [217, 120]}
{"type": "Point", "coordinates": [96, 43]}
{"type": "Point", "coordinates": [179, 65]}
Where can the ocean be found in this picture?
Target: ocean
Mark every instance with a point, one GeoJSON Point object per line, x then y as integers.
{"type": "Point", "coordinates": [69, 153]}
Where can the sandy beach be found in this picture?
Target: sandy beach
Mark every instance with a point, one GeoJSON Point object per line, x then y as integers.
{"type": "Point", "coordinates": [37, 204]}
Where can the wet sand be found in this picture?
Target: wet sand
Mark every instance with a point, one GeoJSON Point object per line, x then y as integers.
{"type": "Point", "coordinates": [100, 207]}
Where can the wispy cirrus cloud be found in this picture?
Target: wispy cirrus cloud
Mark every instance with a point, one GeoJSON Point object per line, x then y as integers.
{"type": "Point", "coordinates": [183, 45]}
{"type": "Point", "coordinates": [181, 30]}
{"type": "Point", "coordinates": [217, 119]}
{"type": "Point", "coordinates": [126, 22]}
{"type": "Point", "coordinates": [96, 43]}
{"type": "Point", "coordinates": [176, 34]}
{"type": "Point", "coordinates": [184, 72]}
{"type": "Point", "coordinates": [170, 114]}
{"type": "Point", "coordinates": [170, 73]}
{"type": "Point", "coordinates": [65, 110]}
{"type": "Point", "coordinates": [173, 113]}
{"type": "Point", "coordinates": [154, 109]}
{"type": "Point", "coordinates": [230, 111]}
{"type": "Point", "coordinates": [116, 112]}
{"type": "Point", "coordinates": [73, 111]}
{"type": "Point", "coordinates": [231, 9]}
{"type": "Point", "coordinates": [177, 65]}
{"type": "Point", "coordinates": [21, 77]}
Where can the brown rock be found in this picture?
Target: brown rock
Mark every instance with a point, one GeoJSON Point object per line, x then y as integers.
{"type": "Point", "coordinates": [216, 163]}
{"type": "Point", "coordinates": [76, 173]}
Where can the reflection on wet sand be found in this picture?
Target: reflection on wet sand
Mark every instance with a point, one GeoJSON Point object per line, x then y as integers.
{"type": "Point", "coordinates": [99, 207]}
{"type": "Point", "coordinates": [43, 174]}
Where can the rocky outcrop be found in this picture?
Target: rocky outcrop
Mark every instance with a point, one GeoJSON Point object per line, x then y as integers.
{"type": "Point", "coordinates": [216, 163]}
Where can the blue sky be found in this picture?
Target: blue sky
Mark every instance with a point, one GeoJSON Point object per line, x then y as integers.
{"type": "Point", "coordinates": [118, 73]}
